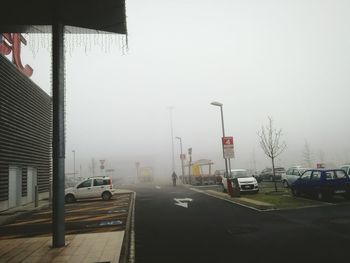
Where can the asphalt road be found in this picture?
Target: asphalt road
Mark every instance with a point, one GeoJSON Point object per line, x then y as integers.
{"type": "Point", "coordinates": [214, 230]}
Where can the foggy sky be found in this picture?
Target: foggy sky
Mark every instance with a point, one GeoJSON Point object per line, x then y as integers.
{"type": "Point", "coordinates": [288, 59]}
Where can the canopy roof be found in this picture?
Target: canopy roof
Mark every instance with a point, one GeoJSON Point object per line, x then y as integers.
{"type": "Point", "coordinates": [201, 162]}
{"type": "Point", "coordinates": [33, 16]}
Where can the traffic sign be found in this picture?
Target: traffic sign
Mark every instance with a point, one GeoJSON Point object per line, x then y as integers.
{"type": "Point", "coordinates": [183, 157]}
{"type": "Point", "coordinates": [227, 143]}
{"type": "Point", "coordinates": [189, 151]}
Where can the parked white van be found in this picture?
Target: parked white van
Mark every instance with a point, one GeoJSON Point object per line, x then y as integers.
{"type": "Point", "coordinates": [246, 181]}
{"type": "Point", "coordinates": [93, 187]}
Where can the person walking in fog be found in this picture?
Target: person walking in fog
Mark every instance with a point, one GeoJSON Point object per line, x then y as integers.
{"type": "Point", "coordinates": [174, 177]}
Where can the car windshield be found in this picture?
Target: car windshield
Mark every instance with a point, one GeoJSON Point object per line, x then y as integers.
{"type": "Point", "coordinates": [239, 174]}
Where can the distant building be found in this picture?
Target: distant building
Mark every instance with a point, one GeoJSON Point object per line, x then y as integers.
{"type": "Point", "coordinates": [25, 138]}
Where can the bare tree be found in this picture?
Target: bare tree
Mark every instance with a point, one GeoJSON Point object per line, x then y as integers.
{"type": "Point", "coordinates": [307, 155]}
{"type": "Point", "coordinates": [270, 142]}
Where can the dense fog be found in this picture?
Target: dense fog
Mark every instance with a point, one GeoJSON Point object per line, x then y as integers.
{"type": "Point", "coordinates": [285, 59]}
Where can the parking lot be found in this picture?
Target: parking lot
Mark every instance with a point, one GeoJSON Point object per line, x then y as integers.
{"type": "Point", "coordinates": [87, 216]}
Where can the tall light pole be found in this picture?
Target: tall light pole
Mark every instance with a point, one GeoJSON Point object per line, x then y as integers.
{"type": "Point", "coordinates": [218, 104]}
{"type": "Point", "coordinates": [74, 165]}
{"type": "Point", "coordinates": [189, 165]}
{"type": "Point", "coordinates": [137, 171]}
{"type": "Point", "coordinates": [172, 137]}
{"type": "Point", "coordinates": [182, 160]}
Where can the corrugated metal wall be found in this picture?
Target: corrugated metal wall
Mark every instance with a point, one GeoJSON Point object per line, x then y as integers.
{"type": "Point", "coordinates": [25, 128]}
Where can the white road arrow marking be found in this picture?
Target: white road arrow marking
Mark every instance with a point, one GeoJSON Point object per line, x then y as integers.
{"type": "Point", "coordinates": [158, 187]}
{"type": "Point", "coordinates": [183, 202]}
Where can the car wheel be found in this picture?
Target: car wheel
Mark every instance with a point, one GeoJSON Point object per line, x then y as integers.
{"type": "Point", "coordinates": [106, 196]}
{"type": "Point", "coordinates": [69, 198]}
{"type": "Point", "coordinates": [285, 184]}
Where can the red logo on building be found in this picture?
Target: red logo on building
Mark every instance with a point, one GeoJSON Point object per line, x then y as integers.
{"type": "Point", "coordinates": [11, 42]}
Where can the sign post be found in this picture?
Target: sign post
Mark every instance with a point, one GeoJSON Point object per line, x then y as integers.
{"type": "Point", "coordinates": [229, 153]}
{"type": "Point", "coordinates": [102, 167]}
{"type": "Point", "coordinates": [189, 165]}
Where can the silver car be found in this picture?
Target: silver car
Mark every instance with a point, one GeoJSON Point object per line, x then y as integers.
{"type": "Point", "coordinates": [292, 174]}
{"type": "Point", "coordinates": [346, 168]}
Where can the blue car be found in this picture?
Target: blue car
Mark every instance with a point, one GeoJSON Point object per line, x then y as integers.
{"type": "Point", "coordinates": [322, 184]}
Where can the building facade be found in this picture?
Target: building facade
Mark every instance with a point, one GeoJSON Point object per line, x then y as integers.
{"type": "Point", "coordinates": [25, 138]}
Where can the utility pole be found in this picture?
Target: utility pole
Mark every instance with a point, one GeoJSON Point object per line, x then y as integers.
{"type": "Point", "coordinates": [189, 165]}
{"type": "Point", "coordinates": [74, 166]}
{"type": "Point", "coordinates": [182, 160]}
{"type": "Point", "coordinates": [172, 137]}
{"type": "Point", "coordinates": [93, 166]}
{"type": "Point", "coordinates": [137, 170]}
{"type": "Point", "coordinates": [227, 160]}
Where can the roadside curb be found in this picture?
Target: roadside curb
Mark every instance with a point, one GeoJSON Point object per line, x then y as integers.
{"type": "Point", "coordinates": [127, 253]}
{"type": "Point", "coordinates": [257, 207]}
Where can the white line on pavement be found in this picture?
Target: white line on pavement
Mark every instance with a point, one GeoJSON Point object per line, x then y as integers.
{"type": "Point", "coordinates": [183, 202]}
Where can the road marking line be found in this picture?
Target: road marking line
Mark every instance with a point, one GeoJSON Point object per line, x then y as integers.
{"type": "Point", "coordinates": [158, 187]}
{"type": "Point", "coordinates": [183, 202]}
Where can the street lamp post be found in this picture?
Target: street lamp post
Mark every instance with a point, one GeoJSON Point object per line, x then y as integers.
{"type": "Point", "coordinates": [74, 165]}
{"type": "Point", "coordinates": [137, 170]}
{"type": "Point", "coordinates": [218, 104]}
{"type": "Point", "coordinates": [182, 161]}
{"type": "Point", "coordinates": [189, 165]}
{"type": "Point", "coordinates": [172, 137]}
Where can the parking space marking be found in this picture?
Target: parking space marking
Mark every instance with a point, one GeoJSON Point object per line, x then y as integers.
{"type": "Point", "coordinates": [97, 214]}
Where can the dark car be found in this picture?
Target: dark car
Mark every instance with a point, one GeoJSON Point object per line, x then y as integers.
{"type": "Point", "coordinates": [267, 174]}
{"type": "Point", "coordinates": [322, 184]}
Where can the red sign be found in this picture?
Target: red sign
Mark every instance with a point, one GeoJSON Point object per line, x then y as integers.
{"type": "Point", "coordinates": [11, 42]}
{"type": "Point", "coordinates": [183, 156]}
{"type": "Point", "coordinates": [227, 140]}
{"type": "Point", "coordinates": [227, 143]}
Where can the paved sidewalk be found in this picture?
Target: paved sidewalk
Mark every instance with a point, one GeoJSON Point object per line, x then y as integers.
{"type": "Point", "coordinates": [98, 247]}
{"type": "Point", "coordinates": [109, 246]}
